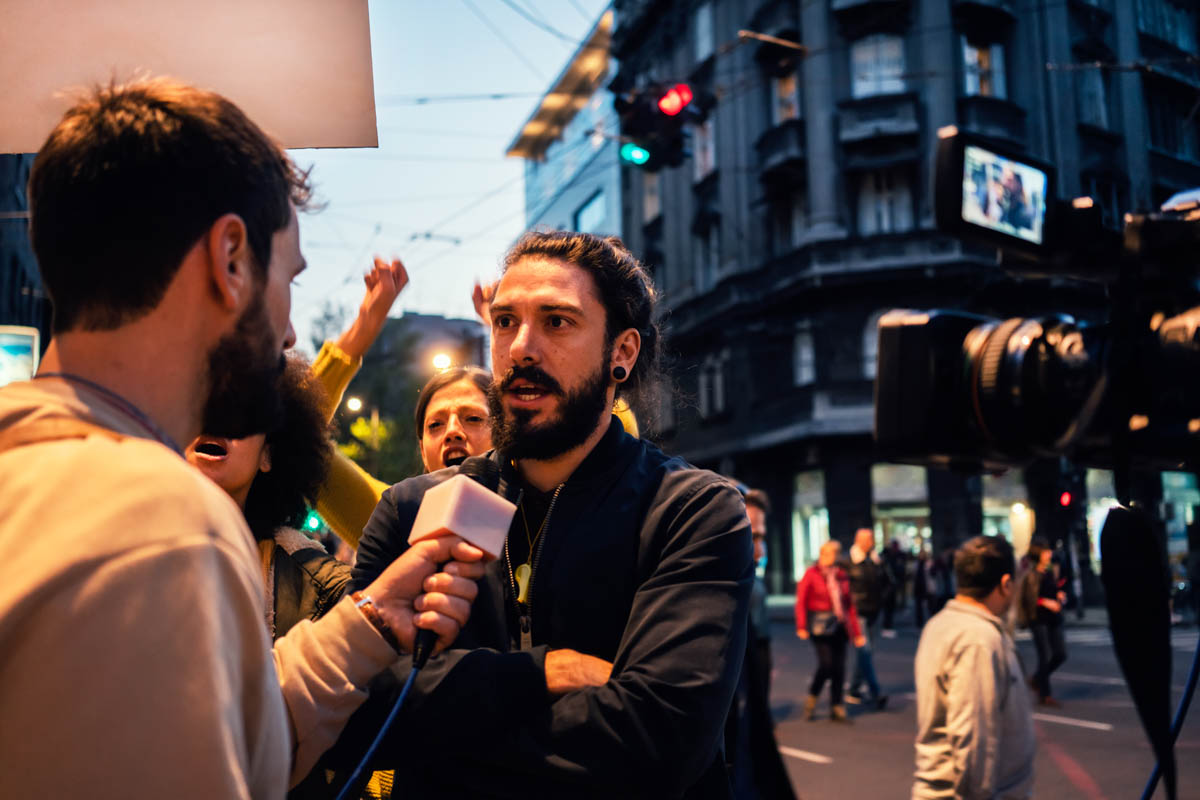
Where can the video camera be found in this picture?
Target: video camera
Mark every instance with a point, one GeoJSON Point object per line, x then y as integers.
{"type": "Point", "coordinates": [961, 390]}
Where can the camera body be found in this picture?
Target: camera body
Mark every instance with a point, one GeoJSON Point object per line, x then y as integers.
{"type": "Point", "coordinates": [961, 390]}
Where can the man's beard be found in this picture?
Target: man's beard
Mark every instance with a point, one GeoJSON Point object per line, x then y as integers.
{"type": "Point", "coordinates": [578, 415]}
{"type": "Point", "coordinates": [243, 374]}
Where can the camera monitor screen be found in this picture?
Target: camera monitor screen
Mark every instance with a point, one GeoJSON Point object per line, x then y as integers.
{"type": "Point", "coordinates": [18, 353]}
{"type": "Point", "coordinates": [1003, 195]}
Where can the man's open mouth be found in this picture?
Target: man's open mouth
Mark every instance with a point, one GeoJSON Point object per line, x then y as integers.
{"type": "Point", "coordinates": [212, 448]}
{"type": "Point", "coordinates": [527, 391]}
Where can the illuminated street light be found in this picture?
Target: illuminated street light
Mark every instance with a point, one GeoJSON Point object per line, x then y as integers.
{"type": "Point", "coordinates": [354, 404]}
{"type": "Point", "coordinates": [442, 362]}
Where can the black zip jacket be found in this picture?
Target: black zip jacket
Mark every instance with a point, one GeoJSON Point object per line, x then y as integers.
{"type": "Point", "coordinates": [645, 561]}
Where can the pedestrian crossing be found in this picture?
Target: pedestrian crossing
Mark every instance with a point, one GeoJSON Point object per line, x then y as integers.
{"type": "Point", "coordinates": [1184, 641]}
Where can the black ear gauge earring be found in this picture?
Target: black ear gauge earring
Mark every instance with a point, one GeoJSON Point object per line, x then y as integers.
{"type": "Point", "coordinates": [619, 373]}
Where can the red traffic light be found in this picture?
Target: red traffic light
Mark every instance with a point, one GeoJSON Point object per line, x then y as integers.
{"type": "Point", "coordinates": [675, 99]}
{"type": "Point", "coordinates": [1064, 499]}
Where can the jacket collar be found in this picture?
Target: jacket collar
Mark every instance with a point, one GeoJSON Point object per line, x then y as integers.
{"type": "Point", "coordinates": [960, 607]}
{"type": "Point", "coordinates": [604, 458]}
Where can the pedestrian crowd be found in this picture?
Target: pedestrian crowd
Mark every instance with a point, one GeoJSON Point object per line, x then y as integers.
{"type": "Point", "coordinates": [169, 631]}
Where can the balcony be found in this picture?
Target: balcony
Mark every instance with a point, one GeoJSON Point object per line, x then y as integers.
{"type": "Point", "coordinates": [883, 116]}
{"type": "Point", "coordinates": [781, 153]}
{"type": "Point", "coordinates": [986, 10]}
{"type": "Point", "coordinates": [993, 117]}
{"type": "Point", "coordinates": [851, 6]}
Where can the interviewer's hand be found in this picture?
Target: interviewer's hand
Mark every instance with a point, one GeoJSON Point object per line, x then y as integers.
{"type": "Point", "coordinates": [568, 670]}
{"type": "Point", "coordinates": [802, 634]}
{"type": "Point", "coordinates": [411, 594]}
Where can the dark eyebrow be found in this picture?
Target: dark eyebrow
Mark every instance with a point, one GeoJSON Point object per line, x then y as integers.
{"type": "Point", "coordinates": [565, 307]}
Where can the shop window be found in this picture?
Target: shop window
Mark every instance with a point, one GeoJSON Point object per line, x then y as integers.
{"type": "Point", "coordinates": [884, 202]}
{"type": "Point", "coordinates": [804, 359]}
{"type": "Point", "coordinates": [785, 98]}
{"type": "Point", "coordinates": [810, 520]}
{"type": "Point", "coordinates": [983, 69]}
{"type": "Point", "coordinates": [900, 505]}
{"type": "Point", "coordinates": [877, 65]}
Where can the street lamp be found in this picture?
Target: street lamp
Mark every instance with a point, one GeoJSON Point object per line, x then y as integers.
{"type": "Point", "coordinates": [442, 362]}
{"type": "Point", "coordinates": [353, 404]}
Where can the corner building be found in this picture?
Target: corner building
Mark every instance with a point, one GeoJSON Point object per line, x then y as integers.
{"type": "Point", "coordinates": [805, 211]}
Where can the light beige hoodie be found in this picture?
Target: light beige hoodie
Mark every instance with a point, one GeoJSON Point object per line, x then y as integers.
{"type": "Point", "coordinates": [134, 661]}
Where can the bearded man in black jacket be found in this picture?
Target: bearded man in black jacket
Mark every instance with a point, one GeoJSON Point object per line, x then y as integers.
{"type": "Point", "coordinates": [604, 647]}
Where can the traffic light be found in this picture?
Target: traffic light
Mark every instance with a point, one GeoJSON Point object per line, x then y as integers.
{"type": "Point", "coordinates": [653, 125]}
{"type": "Point", "coordinates": [1065, 499]}
{"type": "Point", "coordinates": [313, 522]}
{"type": "Point", "coordinates": [675, 99]}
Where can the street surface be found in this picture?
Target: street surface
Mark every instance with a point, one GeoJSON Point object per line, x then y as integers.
{"type": "Point", "coordinates": [1091, 748]}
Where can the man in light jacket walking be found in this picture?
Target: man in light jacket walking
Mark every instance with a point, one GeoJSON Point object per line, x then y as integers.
{"type": "Point", "coordinates": [975, 736]}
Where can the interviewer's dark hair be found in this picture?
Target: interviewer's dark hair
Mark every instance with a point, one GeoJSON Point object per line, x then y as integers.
{"type": "Point", "coordinates": [299, 453]}
{"type": "Point", "coordinates": [981, 563]}
{"type": "Point", "coordinates": [626, 292]}
{"type": "Point", "coordinates": [479, 377]}
{"type": "Point", "coordinates": [129, 181]}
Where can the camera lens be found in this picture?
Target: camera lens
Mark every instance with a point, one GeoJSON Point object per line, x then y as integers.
{"type": "Point", "coordinates": [1028, 379]}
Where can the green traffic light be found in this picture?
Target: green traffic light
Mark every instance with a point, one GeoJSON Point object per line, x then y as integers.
{"type": "Point", "coordinates": [312, 521]}
{"type": "Point", "coordinates": [634, 154]}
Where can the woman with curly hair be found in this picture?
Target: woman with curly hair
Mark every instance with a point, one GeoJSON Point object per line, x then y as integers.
{"type": "Point", "coordinates": [273, 478]}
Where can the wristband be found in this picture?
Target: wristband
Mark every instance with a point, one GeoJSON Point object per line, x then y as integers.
{"type": "Point", "coordinates": [366, 605]}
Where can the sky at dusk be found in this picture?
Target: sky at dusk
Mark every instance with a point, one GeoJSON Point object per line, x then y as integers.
{"type": "Point", "coordinates": [440, 168]}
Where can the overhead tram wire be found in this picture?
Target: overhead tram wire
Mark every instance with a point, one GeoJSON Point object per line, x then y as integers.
{"type": "Point", "coordinates": [541, 24]}
{"type": "Point", "coordinates": [516, 51]}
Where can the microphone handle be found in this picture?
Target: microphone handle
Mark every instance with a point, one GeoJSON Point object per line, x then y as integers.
{"type": "Point", "coordinates": [425, 640]}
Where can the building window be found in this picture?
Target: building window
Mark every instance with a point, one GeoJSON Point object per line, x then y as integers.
{"type": "Point", "coordinates": [592, 215]}
{"type": "Point", "coordinates": [711, 388]}
{"type": "Point", "coordinates": [983, 69]}
{"type": "Point", "coordinates": [789, 223]}
{"type": "Point", "coordinates": [804, 359]}
{"type": "Point", "coordinates": [1172, 21]}
{"type": "Point", "coordinates": [708, 258]}
{"type": "Point", "coordinates": [1092, 97]}
{"type": "Point", "coordinates": [651, 200]}
{"type": "Point", "coordinates": [877, 65]}
{"type": "Point", "coordinates": [1172, 129]}
{"type": "Point", "coordinates": [884, 202]}
{"type": "Point", "coordinates": [1111, 194]}
{"type": "Point", "coordinates": [704, 151]}
{"type": "Point", "coordinates": [870, 345]}
{"type": "Point", "coordinates": [703, 27]}
{"type": "Point", "coordinates": [785, 98]}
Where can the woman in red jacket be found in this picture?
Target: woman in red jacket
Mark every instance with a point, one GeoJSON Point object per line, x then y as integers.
{"type": "Point", "coordinates": [825, 615]}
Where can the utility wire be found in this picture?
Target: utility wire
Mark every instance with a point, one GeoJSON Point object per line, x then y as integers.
{"type": "Point", "coordinates": [516, 51]}
{"type": "Point", "coordinates": [427, 99]}
{"type": "Point", "coordinates": [541, 24]}
{"type": "Point", "coordinates": [579, 8]}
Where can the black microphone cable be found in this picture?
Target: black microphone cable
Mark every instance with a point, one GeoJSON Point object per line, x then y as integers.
{"type": "Point", "coordinates": [486, 472]}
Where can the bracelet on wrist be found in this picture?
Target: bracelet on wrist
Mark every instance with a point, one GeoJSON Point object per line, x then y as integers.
{"type": "Point", "coordinates": [364, 603]}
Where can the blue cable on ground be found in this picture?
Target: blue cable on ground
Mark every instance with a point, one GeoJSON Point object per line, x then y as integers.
{"type": "Point", "coordinates": [391, 717]}
{"type": "Point", "coordinates": [1177, 725]}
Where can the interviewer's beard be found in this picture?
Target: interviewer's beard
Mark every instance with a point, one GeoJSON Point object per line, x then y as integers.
{"type": "Point", "coordinates": [243, 374]}
{"type": "Point", "coordinates": [517, 436]}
